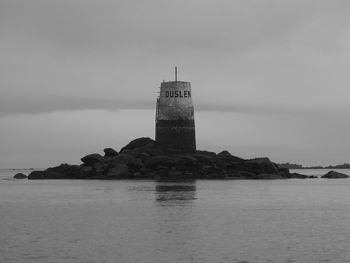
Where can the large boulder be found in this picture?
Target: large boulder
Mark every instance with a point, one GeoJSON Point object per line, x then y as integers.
{"type": "Point", "coordinates": [212, 172]}
{"type": "Point", "coordinates": [174, 173]}
{"type": "Point", "coordinates": [334, 175]}
{"type": "Point", "coordinates": [138, 143]}
{"type": "Point", "coordinates": [63, 171]}
{"type": "Point", "coordinates": [109, 152]}
{"type": "Point", "coordinates": [240, 175]}
{"type": "Point", "coordinates": [20, 176]}
{"type": "Point", "coordinates": [161, 160]}
{"type": "Point", "coordinates": [91, 159]}
{"type": "Point", "coordinates": [100, 168]}
{"type": "Point", "coordinates": [268, 176]}
{"type": "Point", "coordinates": [284, 172]}
{"type": "Point", "coordinates": [187, 160]}
{"type": "Point", "coordinates": [37, 175]}
{"type": "Point", "coordinates": [225, 155]}
{"type": "Point", "coordinates": [142, 156]}
{"type": "Point", "coordinates": [298, 176]}
{"type": "Point", "coordinates": [259, 166]}
{"type": "Point", "coordinates": [119, 171]}
{"type": "Point", "coordinates": [126, 159]}
{"type": "Point", "coordinates": [212, 154]}
{"type": "Point", "coordinates": [204, 158]}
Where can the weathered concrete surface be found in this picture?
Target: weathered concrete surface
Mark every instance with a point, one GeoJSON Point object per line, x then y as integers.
{"type": "Point", "coordinates": [175, 101]}
{"type": "Point", "coordinates": [175, 126]}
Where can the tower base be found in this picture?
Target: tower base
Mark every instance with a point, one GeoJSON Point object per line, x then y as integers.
{"type": "Point", "coordinates": [176, 134]}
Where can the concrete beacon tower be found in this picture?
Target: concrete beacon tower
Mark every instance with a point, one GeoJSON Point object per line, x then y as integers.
{"type": "Point", "coordinates": [175, 116]}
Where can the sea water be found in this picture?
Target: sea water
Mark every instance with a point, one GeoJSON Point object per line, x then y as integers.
{"type": "Point", "coordinates": [201, 221]}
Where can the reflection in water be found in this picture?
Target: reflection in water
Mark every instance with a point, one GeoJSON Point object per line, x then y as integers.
{"type": "Point", "coordinates": [178, 192]}
{"type": "Point", "coordinates": [176, 232]}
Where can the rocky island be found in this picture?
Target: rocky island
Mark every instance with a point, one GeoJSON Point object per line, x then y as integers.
{"type": "Point", "coordinates": [144, 158]}
{"type": "Point", "coordinates": [173, 154]}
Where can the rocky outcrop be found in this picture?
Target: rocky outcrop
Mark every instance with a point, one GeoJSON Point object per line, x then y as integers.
{"type": "Point", "coordinates": [139, 143]}
{"type": "Point", "coordinates": [109, 152]}
{"type": "Point", "coordinates": [91, 159]}
{"type": "Point", "coordinates": [143, 158]}
{"type": "Point", "coordinates": [20, 176]}
{"type": "Point", "coordinates": [269, 176]}
{"type": "Point", "coordinates": [334, 175]}
{"type": "Point", "coordinates": [298, 176]}
{"type": "Point", "coordinates": [63, 171]}
{"type": "Point", "coordinates": [225, 155]}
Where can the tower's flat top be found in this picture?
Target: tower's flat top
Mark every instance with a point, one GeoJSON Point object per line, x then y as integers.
{"type": "Point", "coordinates": [168, 82]}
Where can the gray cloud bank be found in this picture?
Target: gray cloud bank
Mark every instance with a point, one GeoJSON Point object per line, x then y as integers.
{"type": "Point", "coordinates": [284, 64]}
{"type": "Point", "coordinates": [65, 55]}
{"type": "Point", "coordinates": [28, 106]}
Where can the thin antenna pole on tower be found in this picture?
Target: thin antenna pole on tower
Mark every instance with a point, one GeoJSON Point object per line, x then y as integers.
{"type": "Point", "coordinates": [175, 73]}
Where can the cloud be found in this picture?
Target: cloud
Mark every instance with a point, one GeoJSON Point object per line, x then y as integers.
{"type": "Point", "coordinates": [253, 56]}
{"type": "Point", "coordinates": [158, 25]}
{"type": "Point", "coordinates": [37, 105]}
{"type": "Point", "coordinates": [280, 66]}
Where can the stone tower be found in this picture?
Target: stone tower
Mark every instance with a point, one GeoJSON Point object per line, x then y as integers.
{"type": "Point", "coordinates": [175, 116]}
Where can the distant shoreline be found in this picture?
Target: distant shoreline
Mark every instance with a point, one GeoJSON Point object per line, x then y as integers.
{"type": "Point", "coordinates": [299, 166]}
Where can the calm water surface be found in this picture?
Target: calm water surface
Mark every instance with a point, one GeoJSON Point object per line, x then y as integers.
{"type": "Point", "coordinates": [203, 221]}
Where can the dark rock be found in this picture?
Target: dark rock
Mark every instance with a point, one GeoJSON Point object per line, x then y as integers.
{"type": "Point", "coordinates": [284, 172]}
{"type": "Point", "coordinates": [212, 172]}
{"type": "Point", "coordinates": [334, 175]}
{"type": "Point", "coordinates": [240, 175]}
{"type": "Point", "coordinates": [63, 171]}
{"type": "Point", "coordinates": [259, 166]}
{"type": "Point", "coordinates": [188, 174]}
{"type": "Point", "coordinates": [91, 159]}
{"type": "Point", "coordinates": [100, 168]}
{"type": "Point", "coordinates": [162, 160]}
{"type": "Point", "coordinates": [36, 175]}
{"type": "Point", "coordinates": [142, 156]}
{"type": "Point", "coordinates": [246, 174]}
{"type": "Point", "coordinates": [298, 176]}
{"type": "Point", "coordinates": [175, 173]}
{"type": "Point", "coordinates": [204, 159]}
{"type": "Point", "coordinates": [260, 160]}
{"type": "Point", "coordinates": [127, 159]}
{"type": "Point", "coordinates": [268, 176]}
{"type": "Point", "coordinates": [207, 169]}
{"type": "Point", "coordinates": [144, 170]}
{"type": "Point", "coordinates": [214, 176]}
{"type": "Point", "coordinates": [138, 143]}
{"type": "Point", "coordinates": [105, 160]}
{"type": "Point", "coordinates": [119, 171]}
{"type": "Point", "coordinates": [212, 154]}
{"type": "Point", "coordinates": [20, 176]}
{"type": "Point", "coordinates": [220, 162]}
{"type": "Point", "coordinates": [137, 175]}
{"type": "Point", "coordinates": [225, 155]}
{"type": "Point", "coordinates": [187, 160]}
{"type": "Point", "coordinates": [86, 170]}
{"type": "Point", "coordinates": [109, 152]}
{"type": "Point", "coordinates": [150, 175]}
{"type": "Point", "coordinates": [161, 171]}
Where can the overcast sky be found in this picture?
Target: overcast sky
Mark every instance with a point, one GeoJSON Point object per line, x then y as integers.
{"type": "Point", "coordinates": [269, 78]}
